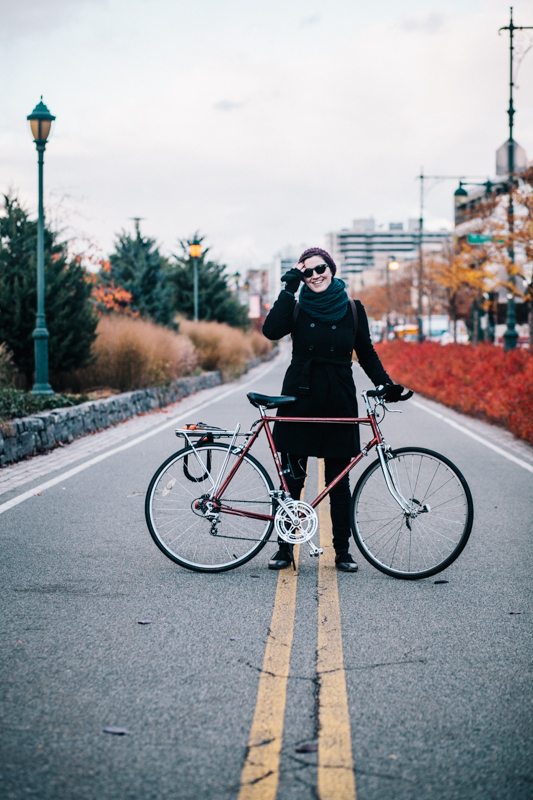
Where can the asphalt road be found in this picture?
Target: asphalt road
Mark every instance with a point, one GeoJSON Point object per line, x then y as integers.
{"type": "Point", "coordinates": [438, 676]}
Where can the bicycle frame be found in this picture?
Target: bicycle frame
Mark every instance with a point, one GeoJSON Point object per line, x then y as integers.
{"type": "Point", "coordinates": [264, 423]}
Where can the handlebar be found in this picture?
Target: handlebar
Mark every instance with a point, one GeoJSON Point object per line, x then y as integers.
{"type": "Point", "coordinates": [381, 391]}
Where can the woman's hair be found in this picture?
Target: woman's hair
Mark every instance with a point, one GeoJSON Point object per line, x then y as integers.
{"type": "Point", "coordinates": [317, 251]}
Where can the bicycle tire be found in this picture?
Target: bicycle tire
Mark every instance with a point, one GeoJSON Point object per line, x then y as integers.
{"type": "Point", "coordinates": [416, 547]}
{"type": "Point", "coordinates": [184, 535]}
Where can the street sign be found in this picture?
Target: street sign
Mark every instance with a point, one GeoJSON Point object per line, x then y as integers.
{"type": "Point", "coordinates": [478, 238]}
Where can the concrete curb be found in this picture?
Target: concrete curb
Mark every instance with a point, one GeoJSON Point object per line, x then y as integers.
{"type": "Point", "coordinates": [28, 436]}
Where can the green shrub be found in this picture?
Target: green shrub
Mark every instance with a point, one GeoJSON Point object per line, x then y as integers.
{"type": "Point", "coordinates": [16, 403]}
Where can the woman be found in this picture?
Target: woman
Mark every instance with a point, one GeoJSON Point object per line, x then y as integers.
{"type": "Point", "coordinates": [325, 327]}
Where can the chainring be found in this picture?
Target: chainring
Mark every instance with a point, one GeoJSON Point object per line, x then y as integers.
{"type": "Point", "coordinates": [296, 532]}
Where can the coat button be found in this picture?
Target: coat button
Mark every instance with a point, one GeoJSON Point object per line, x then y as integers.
{"type": "Point", "coordinates": [312, 325]}
{"type": "Point", "coordinates": [333, 327]}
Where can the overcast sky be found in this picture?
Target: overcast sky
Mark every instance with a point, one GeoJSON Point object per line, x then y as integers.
{"type": "Point", "coordinates": [260, 122]}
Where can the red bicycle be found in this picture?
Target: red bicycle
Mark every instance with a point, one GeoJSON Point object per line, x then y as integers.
{"type": "Point", "coordinates": [212, 506]}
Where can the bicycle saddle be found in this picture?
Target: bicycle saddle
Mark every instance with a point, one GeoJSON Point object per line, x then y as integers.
{"type": "Point", "coordinates": [267, 401]}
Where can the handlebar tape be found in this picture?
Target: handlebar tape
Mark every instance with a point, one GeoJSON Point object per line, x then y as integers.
{"type": "Point", "coordinates": [382, 390]}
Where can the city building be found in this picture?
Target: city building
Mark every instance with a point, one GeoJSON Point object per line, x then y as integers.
{"type": "Point", "coordinates": [363, 251]}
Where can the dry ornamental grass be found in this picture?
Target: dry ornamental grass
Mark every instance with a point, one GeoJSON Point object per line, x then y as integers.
{"type": "Point", "coordinates": [136, 354]}
{"type": "Point", "coordinates": [221, 347]}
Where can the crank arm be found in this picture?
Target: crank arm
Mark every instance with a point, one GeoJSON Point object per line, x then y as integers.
{"type": "Point", "coordinates": [294, 519]}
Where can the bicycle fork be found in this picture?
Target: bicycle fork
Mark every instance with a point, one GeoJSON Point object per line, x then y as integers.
{"type": "Point", "coordinates": [410, 511]}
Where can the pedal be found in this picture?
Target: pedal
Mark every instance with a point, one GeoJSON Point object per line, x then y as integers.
{"type": "Point", "coordinates": [314, 550]}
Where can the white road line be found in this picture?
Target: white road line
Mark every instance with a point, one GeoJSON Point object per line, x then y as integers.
{"type": "Point", "coordinates": [15, 501]}
{"type": "Point", "coordinates": [485, 442]}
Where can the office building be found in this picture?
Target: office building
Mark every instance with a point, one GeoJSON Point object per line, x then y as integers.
{"type": "Point", "coordinates": [364, 248]}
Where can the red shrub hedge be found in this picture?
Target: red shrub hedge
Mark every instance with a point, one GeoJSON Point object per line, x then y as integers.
{"type": "Point", "coordinates": [481, 381]}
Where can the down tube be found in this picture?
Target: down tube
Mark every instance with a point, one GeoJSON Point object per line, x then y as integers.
{"type": "Point", "coordinates": [345, 471]}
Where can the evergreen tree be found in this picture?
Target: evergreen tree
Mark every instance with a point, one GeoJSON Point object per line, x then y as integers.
{"type": "Point", "coordinates": [138, 267]}
{"type": "Point", "coordinates": [215, 300]}
{"type": "Point", "coordinates": [70, 316]}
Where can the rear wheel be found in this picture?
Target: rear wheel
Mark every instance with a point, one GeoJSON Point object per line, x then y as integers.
{"type": "Point", "coordinates": [177, 504]}
{"type": "Point", "coordinates": [424, 540]}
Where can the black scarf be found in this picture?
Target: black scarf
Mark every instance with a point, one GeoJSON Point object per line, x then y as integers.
{"type": "Point", "coordinates": [328, 306]}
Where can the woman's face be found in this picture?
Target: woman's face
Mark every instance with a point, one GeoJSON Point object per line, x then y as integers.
{"type": "Point", "coordinates": [317, 283]}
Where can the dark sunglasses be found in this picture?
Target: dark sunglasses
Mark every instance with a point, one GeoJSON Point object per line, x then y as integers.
{"type": "Point", "coordinates": [308, 273]}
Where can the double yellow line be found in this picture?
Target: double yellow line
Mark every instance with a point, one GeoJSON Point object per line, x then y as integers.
{"type": "Point", "coordinates": [335, 778]}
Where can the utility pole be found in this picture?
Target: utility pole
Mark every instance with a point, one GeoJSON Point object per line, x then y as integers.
{"type": "Point", "coordinates": [510, 337]}
{"type": "Point", "coordinates": [420, 260]}
{"type": "Point", "coordinates": [422, 178]}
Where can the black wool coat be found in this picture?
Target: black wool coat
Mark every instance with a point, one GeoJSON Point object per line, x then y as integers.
{"type": "Point", "coordinates": [323, 351]}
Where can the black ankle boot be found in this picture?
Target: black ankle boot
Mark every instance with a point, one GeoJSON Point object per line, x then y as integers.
{"type": "Point", "coordinates": [283, 558]}
{"type": "Point", "coordinates": [345, 562]}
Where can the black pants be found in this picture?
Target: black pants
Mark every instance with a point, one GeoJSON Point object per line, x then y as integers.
{"type": "Point", "coordinates": [339, 495]}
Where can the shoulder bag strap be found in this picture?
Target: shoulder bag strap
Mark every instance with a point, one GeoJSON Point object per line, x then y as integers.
{"type": "Point", "coordinates": [355, 319]}
{"type": "Point", "coordinates": [295, 312]}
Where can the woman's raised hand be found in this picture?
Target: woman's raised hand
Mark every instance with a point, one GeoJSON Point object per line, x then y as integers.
{"type": "Point", "coordinates": [292, 278]}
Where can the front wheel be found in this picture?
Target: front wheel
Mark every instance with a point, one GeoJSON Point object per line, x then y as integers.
{"type": "Point", "coordinates": [429, 536]}
{"type": "Point", "coordinates": [199, 535]}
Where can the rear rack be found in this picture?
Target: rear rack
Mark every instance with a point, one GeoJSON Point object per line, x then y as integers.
{"type": "Point", "coordinates": [202, 429]}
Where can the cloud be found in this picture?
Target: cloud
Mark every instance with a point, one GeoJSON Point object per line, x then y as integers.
{"type": "Point", "coordinates": [312, 20]}
{"type": "Point", "coordinates": [27, 16]}
{"type": "Point", "coordinates": [432, 22]}
{"type": "Point", "coordinates": [228, 105]}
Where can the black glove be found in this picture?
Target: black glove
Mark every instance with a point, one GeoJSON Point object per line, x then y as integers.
{"type": "Point", "coordinates": [292, 280]}
{"type": "Point", "coordinates": [393, 393]}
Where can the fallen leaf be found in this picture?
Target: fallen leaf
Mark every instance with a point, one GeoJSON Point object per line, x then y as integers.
{"type": "Point", "coordinates": [144, 621]}
{"type": "Point", "coordinates": [117, 731]}
{"type": "Point", "coordinates": [440, 581]}
{"type": "Point", "coordinates": [38, 494]}
{"type": "Point", "coordinates": [394, 758]}
{"type": "Point", "coordinates": [307, 747]}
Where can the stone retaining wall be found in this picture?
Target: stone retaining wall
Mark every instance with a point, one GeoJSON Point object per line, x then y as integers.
{"type": "Point", "coordinates": [28, 436]}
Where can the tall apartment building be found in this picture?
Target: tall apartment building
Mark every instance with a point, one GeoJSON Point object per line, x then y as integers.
{"type": "Point", "coordinates": [363, 250]}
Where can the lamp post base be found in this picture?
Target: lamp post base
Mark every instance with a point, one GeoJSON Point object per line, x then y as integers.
{"type": "Point", "coordinates": [40, 338]}
{"type": "Point", "coordinates": [42, 388]}
{"type": "Point", "coordinates": [510, 339]}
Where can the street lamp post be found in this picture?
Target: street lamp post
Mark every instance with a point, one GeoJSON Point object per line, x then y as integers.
{"type": "Point", "coordinates": [510, 337]}
{"type": "Point", "coordinates": [392, 265]}
{"type": "Point", "coordinates": [41, 123]}
{"type": "Point", "coordinates": [195, 251]}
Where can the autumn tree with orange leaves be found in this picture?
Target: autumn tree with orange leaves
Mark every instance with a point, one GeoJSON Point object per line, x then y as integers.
{"type": "Point", "coordinates": [108, 298]}
{"type": "Point", "coordinates": [463, 273]}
